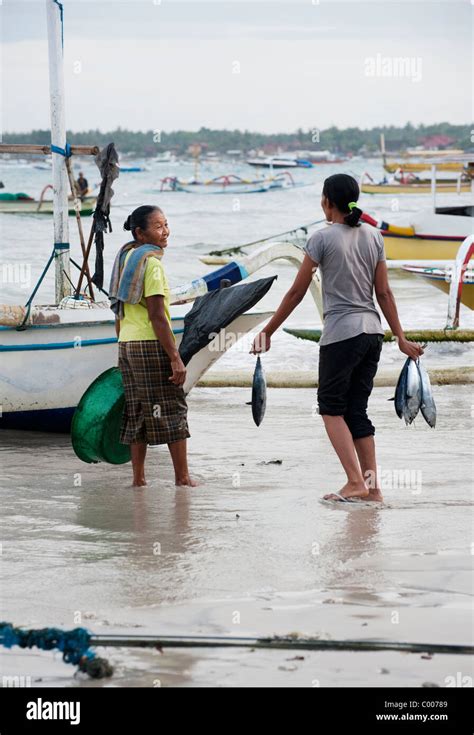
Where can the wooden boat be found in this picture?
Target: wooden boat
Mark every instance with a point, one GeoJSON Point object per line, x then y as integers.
{"type": "Point", "coordinates": [229, 184]}
{"type": "Point", "coordinates": [273, 162]}
{"type": "Point", "coordinates": [133, 169]}
{"type": "Point", "coordinates": [405, 182]}
{"type": "Point", "coordinates": [28, 205]}
{"type": "Point", "coordinates": [66, 348]}
{"type": "Point", "coordinates": [395, 188]}
{"type": "Point", "coordinates": [393, 166]}
{"type": "Point", "coordinates": [455, 279]}
{"type": "Point", "coordinates": [426, 235]}
{"type": "Point", "coordinates": [441, 277]}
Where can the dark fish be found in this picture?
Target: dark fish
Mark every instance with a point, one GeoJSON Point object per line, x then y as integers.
{"type": "Point", "coordinates": [400, 390]}
{"type": "Point", "coordinates": [259, 393]}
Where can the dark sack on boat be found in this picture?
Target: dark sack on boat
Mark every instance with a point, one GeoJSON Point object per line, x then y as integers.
{"type": "Point", "coordinates": [215, 310]}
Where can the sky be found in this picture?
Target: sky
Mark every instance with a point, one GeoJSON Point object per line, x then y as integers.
{"type": "Point", "coordinates": [260, 65]}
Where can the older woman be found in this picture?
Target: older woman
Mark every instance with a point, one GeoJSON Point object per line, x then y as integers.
{"type": "Point", "coordinates": [152, 370]}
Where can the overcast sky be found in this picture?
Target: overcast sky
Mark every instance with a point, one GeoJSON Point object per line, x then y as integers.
{"type": "Point", "coordinates": [263, 66]}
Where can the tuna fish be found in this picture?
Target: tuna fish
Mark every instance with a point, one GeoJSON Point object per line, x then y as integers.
{"type": "Point", "coordinates": [428, 406]}
{"type": "Point", "coordinates": [400, 390]}
{"type": "Point", "coordinates": [259, 393]}
{"type": "Point", "coordinates": [413, 393]}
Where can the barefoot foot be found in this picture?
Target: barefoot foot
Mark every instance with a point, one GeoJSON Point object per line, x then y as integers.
{"type": "Point", "coordinates": [186, 482]}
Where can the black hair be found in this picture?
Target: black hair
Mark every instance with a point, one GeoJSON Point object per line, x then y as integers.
{"type": "Point", "coordinates": [139, 218]}
{"type": "Point", "coordinates": [342, 189]}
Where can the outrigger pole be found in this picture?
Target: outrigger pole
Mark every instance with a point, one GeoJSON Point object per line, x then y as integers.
{"type": "Point", "coordinates": [59, 149]}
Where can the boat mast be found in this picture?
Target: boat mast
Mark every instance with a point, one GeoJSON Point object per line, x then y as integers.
{"type": "Point", "coordinates": [54, 15]}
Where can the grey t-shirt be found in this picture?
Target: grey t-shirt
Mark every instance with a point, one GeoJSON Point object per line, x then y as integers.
{"type": "Point", "coordinates": [347, 258]}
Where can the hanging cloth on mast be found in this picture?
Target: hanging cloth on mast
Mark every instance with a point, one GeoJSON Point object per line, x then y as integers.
{"type": "Point", "coordinates": [107, 163]}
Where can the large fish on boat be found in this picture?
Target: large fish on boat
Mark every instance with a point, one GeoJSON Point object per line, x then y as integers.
{"type": "Point", "coordinates": [259, 393]}
{"type": "Point", "coordinates": [428, 406]}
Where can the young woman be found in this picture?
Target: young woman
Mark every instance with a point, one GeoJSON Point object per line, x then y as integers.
{"type": "Point", "coordinates": [152, 371]}
{"type": "Point", "coordinates": [351, 260]}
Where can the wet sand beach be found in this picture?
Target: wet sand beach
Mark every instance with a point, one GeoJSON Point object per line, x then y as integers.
{"type": "Point", "coordinates": [251, 551]}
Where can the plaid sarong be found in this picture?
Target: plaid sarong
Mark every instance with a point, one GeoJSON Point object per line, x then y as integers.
{"type": "Point", "coordinates": [155, 409]}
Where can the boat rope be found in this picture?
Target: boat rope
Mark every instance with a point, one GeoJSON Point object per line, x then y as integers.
{"type": "Point", "coordinates": [43, 192]}
{"type": "Point", "coordinates": [75, 644]}
{"type": "Point", "coordinates": [66, 151]}
{"type": "Point", "coordinates": [294, 231]}
{"type": "Point", "coordinates": [58, 246]}
{"type": "Point", "coordinates": [22, 326]}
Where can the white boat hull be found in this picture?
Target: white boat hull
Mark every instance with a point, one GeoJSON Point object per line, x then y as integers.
{"type": "Point", "coordinates": [46, 369]}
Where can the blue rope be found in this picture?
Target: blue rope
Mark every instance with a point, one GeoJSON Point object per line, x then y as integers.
{"type": "Point", "coordinates": [66, 151]}
{"type": "Point", "coordinates": [54, 254]}
{"type": "Point", "coordinates": [74, 645]}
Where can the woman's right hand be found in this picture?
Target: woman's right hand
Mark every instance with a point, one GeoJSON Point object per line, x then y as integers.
{"type": "Point", "coordinates": [412, 349]}
{"type": "Point", "coordinates": [261, 343]}
{"type": "Point", "coordinates": [179, 371]}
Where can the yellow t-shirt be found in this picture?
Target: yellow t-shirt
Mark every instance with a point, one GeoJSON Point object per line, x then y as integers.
{"type": "Point", "coordinates": [136, 324]}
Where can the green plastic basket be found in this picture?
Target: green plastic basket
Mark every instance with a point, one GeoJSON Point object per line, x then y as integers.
{"type": "Point", "coordinates": [95, 427]}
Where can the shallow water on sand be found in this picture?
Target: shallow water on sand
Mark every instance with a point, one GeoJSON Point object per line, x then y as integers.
{"type": "Point", "coordinates": [251, 551]}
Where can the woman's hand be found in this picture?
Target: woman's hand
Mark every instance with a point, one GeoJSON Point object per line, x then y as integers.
{"type": "Point", "coordinates": [261, 343]}
{"type": "Point", "coordinates": [412, 349]}
{"type": "Point", "coordinates": [179, 371]}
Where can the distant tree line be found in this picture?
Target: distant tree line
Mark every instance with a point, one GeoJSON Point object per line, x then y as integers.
{"type": "Point", "coordinates": [344, 141]}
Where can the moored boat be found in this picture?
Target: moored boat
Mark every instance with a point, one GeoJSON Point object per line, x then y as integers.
{"type": "Point", "coordinates": [23, 204]}
{"type": "Point", "coordinates": [425, 235]}
{"type": "Point", "coordinates": [441, 276]}
{"type": "Point", "coordinates": [415, 187]}
{"type": "Point", "coordinates": [228, 184]}
{"type": "Point", "coordinates": [65, 349]}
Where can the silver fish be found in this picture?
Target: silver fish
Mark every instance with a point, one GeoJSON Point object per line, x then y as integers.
{"type": "Point", "coordinates": [259, 393]}
{"type": "Point", "coordinates": [428, 406]}
{"type": "Point", "coordinates": [400, 390]}
{"type": "Point", "coordinates": [413, 393]}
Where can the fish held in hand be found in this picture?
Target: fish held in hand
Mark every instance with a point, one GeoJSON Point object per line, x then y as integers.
{"type": "Point", "coordinates": [413, 393]}
{"type": "Point", "coordinates": [400, 390]}
{"type": "Point", "coordinates": [259, 393]}
{"type": "Point", "coordinates": [428, 406]}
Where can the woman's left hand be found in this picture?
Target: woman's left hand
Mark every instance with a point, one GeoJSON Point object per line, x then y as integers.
{"type": "Point", "coordinates": [261, 343]}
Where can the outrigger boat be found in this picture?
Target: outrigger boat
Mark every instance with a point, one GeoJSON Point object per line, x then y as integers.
{"type": "Point", "coordinates": [229, 184]}
{"type": "Point", "coordinates": [20, 203]}
{"type": "Point", "coordinates": [458, 273]}
{"type": "Point", "coordinates": [395, 188]}
{"type": "Point", "coordinates": [427, 235]}
{"type": "Point", "coordinates": [421, 160]}
{"type": "Point", "coordinates": [52, 353]}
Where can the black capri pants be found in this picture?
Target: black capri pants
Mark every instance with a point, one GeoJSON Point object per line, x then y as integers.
{"type": "Point", "coordinates": [346, 378]}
